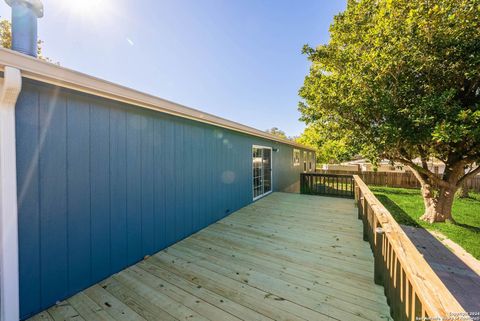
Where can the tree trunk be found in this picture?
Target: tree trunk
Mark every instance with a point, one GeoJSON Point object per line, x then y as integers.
{"type": "Point", "coordinates": [439, 192]}
{"type": "Point", "coordinates": [438, 204]}
{"type": "Point", "coordinates": [464, 192]}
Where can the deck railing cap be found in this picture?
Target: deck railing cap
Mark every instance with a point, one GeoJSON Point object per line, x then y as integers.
{"type": "Point", "coordinates": [436, 298]}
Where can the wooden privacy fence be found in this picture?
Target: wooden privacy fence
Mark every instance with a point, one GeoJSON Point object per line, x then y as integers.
{"type": "Point", "coordinates": [394, 179]}
{"type": "Point", "coordinates": [326, 184]}
{"type": "Point", "coordinates": [413, 290]}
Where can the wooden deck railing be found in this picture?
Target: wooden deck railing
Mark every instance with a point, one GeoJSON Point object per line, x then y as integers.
{"type": "Point", "coordinates": [413, 290]}
{"type": "Point", "coordinates": [395, 179]}
{"type": "Point", "coordinates": [326, 184]}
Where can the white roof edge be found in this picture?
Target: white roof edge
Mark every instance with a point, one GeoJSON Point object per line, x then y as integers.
{"type": "Point", "coordinates": [43, 71]}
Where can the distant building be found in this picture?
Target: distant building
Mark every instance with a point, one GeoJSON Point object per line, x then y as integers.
{"type": "Point", "coordinates": [385, 165]}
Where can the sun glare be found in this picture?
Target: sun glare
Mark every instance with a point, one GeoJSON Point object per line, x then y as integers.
{"type": "Point", "coordinates": [90, 8]}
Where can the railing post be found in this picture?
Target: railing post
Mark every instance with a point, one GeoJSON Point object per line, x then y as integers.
{"type": "Point", "coordinates": [302, 183]}
{"type": "Point", "coordinates": [378, 257]}
{"type": "Point", "coordinates": [311, 186]}
{"type": "Point", "coordinates": [355, 191]}
{"type": "Point", "coordinates": [397, 311]}
{"type": "Point", "coordinates": [353, 185]}
{"type": "Point", "coordinates": [365, 219]}
{"type": "Point", "coordinates": [360, 206]}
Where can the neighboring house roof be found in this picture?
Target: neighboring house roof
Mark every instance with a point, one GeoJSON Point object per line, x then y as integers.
{"type": "Point", "coordinates": [364, 161]}
{"type": "Point", "coordinates": [356, 162]}
{"type": "Point", "coordinates": [433, 161]}
{"type": "Point", "coordinates": [43, 71]}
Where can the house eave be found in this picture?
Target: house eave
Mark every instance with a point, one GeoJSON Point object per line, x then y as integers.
{"type": "Point", "coordinates": [46, 72]}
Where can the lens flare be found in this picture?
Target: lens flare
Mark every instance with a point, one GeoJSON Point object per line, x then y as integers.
{"type": "Point", "coordinates": [87, 8]}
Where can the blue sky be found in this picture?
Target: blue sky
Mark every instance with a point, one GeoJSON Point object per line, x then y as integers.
{"type": "Point", "coordinates": [238, 59]}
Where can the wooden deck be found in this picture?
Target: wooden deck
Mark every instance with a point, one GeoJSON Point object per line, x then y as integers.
{"type": "Point", "coordinates": [285, 257]}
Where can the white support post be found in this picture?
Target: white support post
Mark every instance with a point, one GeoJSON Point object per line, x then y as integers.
{"type": "Point", "coordinates": [9, 279]}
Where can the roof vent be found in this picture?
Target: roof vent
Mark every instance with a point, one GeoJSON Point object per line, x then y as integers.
{"type": "Point", "coordinates": [24, 25]}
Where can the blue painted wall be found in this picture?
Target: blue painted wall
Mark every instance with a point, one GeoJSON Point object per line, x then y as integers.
{"type": "Point", "coordinates": [101, 184]}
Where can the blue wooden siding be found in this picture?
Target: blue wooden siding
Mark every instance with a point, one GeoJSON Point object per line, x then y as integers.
{"type": "Point", "coordinates": [102, 184]}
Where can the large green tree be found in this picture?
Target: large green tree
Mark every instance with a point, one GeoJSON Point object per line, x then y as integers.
{"type": "Point", "coordinates": [277, 132]}
{"type": "Point", "coordinates": [331, 145]}
{"type": "Point", "coordinates": [401, 80]}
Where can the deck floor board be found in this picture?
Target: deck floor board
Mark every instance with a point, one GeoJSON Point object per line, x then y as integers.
{"type": "Point", "coordinates": [285, 257]}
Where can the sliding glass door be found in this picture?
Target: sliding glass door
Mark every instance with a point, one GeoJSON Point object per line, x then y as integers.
{"type": "Point", "coordinates": [261, 171]}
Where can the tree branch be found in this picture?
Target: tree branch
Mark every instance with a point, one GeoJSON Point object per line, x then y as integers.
{"type": "Point", "coordinates": [418, 176]}
{"type": "Point", "coordinates": [421, 170]}
{"type": "Point", "coordinates": [468, 175]}
{"type": "Point", "coordinates": [471, 158]}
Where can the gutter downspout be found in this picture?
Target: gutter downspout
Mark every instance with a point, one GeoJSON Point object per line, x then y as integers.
{"type": "Point", "coordinates": [9, 274]}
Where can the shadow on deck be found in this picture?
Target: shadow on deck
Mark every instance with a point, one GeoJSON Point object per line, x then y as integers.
{"type": "Point", "coordinates": [458, 277]}
{"type": "Point", "coordinates": [285, 257]}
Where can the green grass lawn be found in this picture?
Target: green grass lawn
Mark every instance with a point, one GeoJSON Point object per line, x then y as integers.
{"type": "Point", "coordinates": [406, 206]}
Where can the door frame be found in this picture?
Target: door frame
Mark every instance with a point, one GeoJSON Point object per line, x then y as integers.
{"type": "Point", "coordinates": [271, 173]}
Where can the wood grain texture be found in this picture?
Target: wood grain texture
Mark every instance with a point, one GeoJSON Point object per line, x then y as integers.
{"type": "Point", "coordinates": [284, 257]}
{"type": "Point", "coordinates": [403, 265]}
{"type": "Point", "coordinates": [101, 184]}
